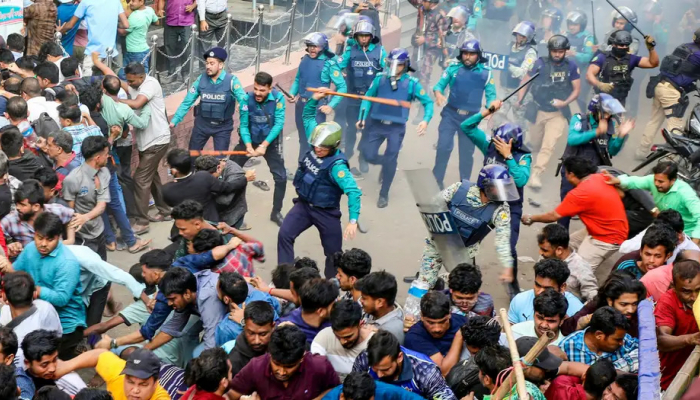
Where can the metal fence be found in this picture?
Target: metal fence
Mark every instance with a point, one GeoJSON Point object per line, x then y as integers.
{"type": "Point", "coordinates": [241, 54]}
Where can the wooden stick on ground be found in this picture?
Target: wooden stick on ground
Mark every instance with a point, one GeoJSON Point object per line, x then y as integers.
{"type": "Point", "coordinates": [197, 153]}
{"type": "Point", "coordinates": [515, 358]}
{"type": "Point", "coordinates": [529, 358]}
{"type": "Point", "coordinates": [380, 100]}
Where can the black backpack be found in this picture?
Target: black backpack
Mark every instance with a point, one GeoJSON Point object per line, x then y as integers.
{"type": "Point", "coordinates": [44, 125]}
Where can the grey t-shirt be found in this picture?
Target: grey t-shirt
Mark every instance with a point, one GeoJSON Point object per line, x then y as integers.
{"type": "Point", "coordinates": [79, 186]}
{"type": "Point", "coordinates": [392, 322]}
{"type": "Point", "coordinates": [158, 130]}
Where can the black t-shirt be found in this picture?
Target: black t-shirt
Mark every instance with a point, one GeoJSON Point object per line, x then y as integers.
{"type": "Point", "coordinates": [5, 200]}
{"type": "Point", "coordinates": [200, 186]}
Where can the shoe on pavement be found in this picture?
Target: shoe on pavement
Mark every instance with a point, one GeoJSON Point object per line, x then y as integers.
{"type": "Point", "coordinates": [382, 202]}
{"type": "Point", "coordinates": [535, 182]}
{"type": "Point", "coordinates": [277, 218]}
{"type": "Point", "coordinates": [641, 154]}
{"type": "Point", "coordinates": [356, 174]}
{"type": "Point", "coordinates": [290, 176]}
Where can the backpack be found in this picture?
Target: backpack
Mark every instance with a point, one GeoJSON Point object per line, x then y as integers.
{"type": "Point", "coordinates": [44, 125]}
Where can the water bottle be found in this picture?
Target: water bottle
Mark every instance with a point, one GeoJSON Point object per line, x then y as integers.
{"type": "Point", "coordinates": [28, 134]}
{"type": "Point", "coordinates": [417, 290]}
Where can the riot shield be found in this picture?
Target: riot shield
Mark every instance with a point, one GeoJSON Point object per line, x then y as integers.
{"type": "Point", "coordinates": [437, 218]}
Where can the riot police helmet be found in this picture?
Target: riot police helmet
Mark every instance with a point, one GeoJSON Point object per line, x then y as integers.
{"type": "Point", "coordinates": [624, 12]}
{"type": "Point", "coordinates": [509, 131]}
{"type": "Point", "coordinates": [558, 42]}
{"type": "Point", "coordinates": [605, 103]}
{"type": "Point", "coordinates": [556, 16]}
{"type": "Point", "coordinates": [317, 39]}
{"type": "Point", "coordinates": [497, 183]}
{"type": "Point", "coordinates": [620, 38]}
{"type": "Point", "coordinates": [577, 18]}
{"type": "Point", "coordinates": [470, 46]}
{"type": "Point", "coordinates": [525, 28]}
{"type": "Point", "coordinates": [326, 135]}
{"type": "Point", "coordinates": [460, 13]}
{"type": "Point", "coordinates": [398, 56]}
{"type": "Point", "coordinates": [364, 28]}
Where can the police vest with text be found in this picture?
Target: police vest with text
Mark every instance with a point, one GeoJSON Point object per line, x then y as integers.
{"type": "Point", "coordinates": [404, 92]}
{"type": "Point", "coordinates": [494, 157]}
{"type": "Point", "coordinates": [467, 88]}
{"type": "Point", "coordinates": [363, 67]}
{"type": "Point", "coordinates": [596, 150]}
{"type": "Point", "coordinates": [261, 116]}
{"type": "Point", "coordinates": [554, 82]}
{"type": "Point", "coordinates": [617, 71]}
{"type": "Point", "coordinates": [310, 70]}
{"type": "Point", "coordinates": [216, 102]}
{"type": "Point", "coordinates": [473, 223]}
{"type": "Point", "coordinates": [516, 57]}
{"type": "Point", "coordinates": [314, 181]}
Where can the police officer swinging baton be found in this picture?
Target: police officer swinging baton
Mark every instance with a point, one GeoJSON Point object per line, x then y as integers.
{"type": "Point", "coordinates": [513, 93]}
{"type": "Point", "coordinates": [653, 43]}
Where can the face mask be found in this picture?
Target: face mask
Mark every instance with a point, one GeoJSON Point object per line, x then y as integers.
{"type": "Point", "coordinates": [619, 52]}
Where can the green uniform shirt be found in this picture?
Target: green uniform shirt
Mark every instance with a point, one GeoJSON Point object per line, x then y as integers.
{"type": "Point", "coordinates": [583, 56]}
{"type": "Point", "coordinates": [331, 73]}
{"type": "Point", "coordinates": [418, 93]}
{"type": "Point", "coordinates": [279, 117]}
{"type": "Point", "coordinates": [578, 137]}
{"type": "Point", "coordinates": [447, 79]}
{"type": "Point", "coordinates": [518, 169]}
{"type": "Point", "coordinates": [477, 14]}
{"type": "Point", "coordinates": [345, 58]}
{"type": "Point", "coordinates": [681, 197]}
{"type": "Point", "coordinates": [340, 172]}
{"type": "Point", "coordinates": [193, 94]}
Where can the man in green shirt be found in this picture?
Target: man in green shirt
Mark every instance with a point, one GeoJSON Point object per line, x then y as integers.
{"type": "Point", "coordinates": [140, 19]}
{"type": "Point", "coordinates": [668, 193]}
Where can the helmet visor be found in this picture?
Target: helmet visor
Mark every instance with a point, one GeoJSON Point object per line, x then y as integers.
{"type": "Point", "coordinates": [326, 135]}
{"type": "Point", "coordinates": [394, 66]}
{"type": "Point", "coordinates": [501, 190]}
{"type": "Point", "coordinates": [612, 106]}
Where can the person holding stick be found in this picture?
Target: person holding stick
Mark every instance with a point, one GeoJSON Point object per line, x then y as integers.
{"type": "Point", "coordinates": [321, 180]}
{"type": "Point", "coordinates": [388, 123]}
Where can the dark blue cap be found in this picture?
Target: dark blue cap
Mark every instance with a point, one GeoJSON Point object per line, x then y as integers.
{"type": "Point", "coordinates": [216, 52]}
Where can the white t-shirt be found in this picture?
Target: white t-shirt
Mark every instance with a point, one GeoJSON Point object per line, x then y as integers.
{"type": "Point", "coordinates": [45, 317]}
{"type": "Point", "coordinates": [527, 328]}
{"type": "Point", "coordinates": [326, 344]}
{"type": "Point", "coordinates": [158, 130]}
{"type": "Point", "coordinates": [38, 105]}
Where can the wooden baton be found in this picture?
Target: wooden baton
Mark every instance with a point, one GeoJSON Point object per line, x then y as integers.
{"type": "Point", "coordinates": [388, 102]}
{"type": "Point", "coordinates": [529, 358]}
{"type": "Point", "coordinates": [197, 153]}
{"type": "Point", "coordinates": [515, 358]}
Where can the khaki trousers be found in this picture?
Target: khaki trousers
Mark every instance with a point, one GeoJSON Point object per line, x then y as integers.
{"type": "Point", "coordinates": [592, 250]}
{"type": "Point", "coordinates": [665, 95]}
{"type": "Point", "coordinates": [544, 134]}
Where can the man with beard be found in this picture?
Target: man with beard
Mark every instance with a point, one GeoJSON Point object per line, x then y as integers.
{"type": "Point", "coordinates": [676, 327]}
{"type": "Point", "coordinates": [657, 246]}
{"type": "Point", "coordinates": [669, 193]}
{"type": "Point", "coordinates": [550, 310]}
{"type": "Point", "coordinates": [18, 225]}
{"type": "Point", "coordinates": [258, 323]}
{"type": "Point", "coordinates": [438, 335]}
{"type": "Point", "coordinates": [344, 340]}
{"type": "Point", "coordinates": [286, 371]}
{"type": "Point", "coordinates": [386, 360]}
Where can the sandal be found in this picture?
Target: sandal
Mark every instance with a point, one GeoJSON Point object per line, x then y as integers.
{"type": "Point", "coordinates": [262, 185]}
{"type": "Point", "coordinates": [160, 218]}
{"type": "Point", "coordinates": [140, 247]}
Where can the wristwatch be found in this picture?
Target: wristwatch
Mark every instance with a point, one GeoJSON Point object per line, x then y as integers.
{"type": "Point", "coordinates": [353, 221]}
{"type": "Point", "coordinates": [113, 344]}
{"type": "Point", "coordinates": [510, 157]}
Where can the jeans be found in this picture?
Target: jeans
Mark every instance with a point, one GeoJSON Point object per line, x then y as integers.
{"type": "Point", "coordinates": [137, 57]}
{"type": "Point", "coordinates": [175, 39]}
{"type": "Point", "coordinates": [115, 208]}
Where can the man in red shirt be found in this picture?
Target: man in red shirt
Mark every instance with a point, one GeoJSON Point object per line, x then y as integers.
{"type": "Point", "coordinates": [676, 327]}
{"type": "Point", "coordinates": [600, 209]}
{"type": "Point", "coordinates": [599, 376]}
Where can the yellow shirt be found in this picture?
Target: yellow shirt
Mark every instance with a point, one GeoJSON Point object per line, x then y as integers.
{"type": "Point", "coordinates": [110, 367]}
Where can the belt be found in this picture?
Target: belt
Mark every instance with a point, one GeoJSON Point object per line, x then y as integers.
{"type": "Point", "coordinates": [215, 13]}
{"type": "Point", "coordinates": [458, 111]}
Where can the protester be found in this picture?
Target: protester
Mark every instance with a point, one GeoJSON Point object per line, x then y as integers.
{"type": "Point", "coordinates": [550, 310]}
{"type": "Point", "coordinates": [378, 302]}
{"type": "Point", "coordinates": [258, 323]}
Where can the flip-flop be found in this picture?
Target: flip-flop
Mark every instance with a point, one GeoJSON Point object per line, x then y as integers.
{"type": "Point", "coordinates": [144, 246]}
{"type": "Point", "coordinates": [262, 185]}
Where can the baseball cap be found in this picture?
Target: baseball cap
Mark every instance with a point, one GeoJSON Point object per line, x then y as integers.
{"type": "Point", "coordinates": [546, 360]}
{"type": "Point", "coordinates": [142, 364]}
{"type": "Point", "coordinates": [216, 52]}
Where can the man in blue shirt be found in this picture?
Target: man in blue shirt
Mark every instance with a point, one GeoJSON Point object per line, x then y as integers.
{"type": "Point", "coordinates": [389, 362]}
{"type": "Point", "coordinates": [360, 386]}
{"type": "Point", "coordinates": [66, 10]}
{"type": "Point", "coordinates": [549, 273]}
{"type": "Point", "coordinates": [437, 334]}
{"type": "Point", "coordinates": [218, 91]}
{"type": "Point", "coordinates": [56, 272]}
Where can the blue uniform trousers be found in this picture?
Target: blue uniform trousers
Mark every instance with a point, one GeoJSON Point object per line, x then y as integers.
{"type": "Point", "coordinates": [449, 126]}
{"type": "Point", "coordinates": [300, 218]}
{"type": "Point", "coordinates": [516, 212]}
{"type": "Point", "coordinates": [303, 140]}
{"type": "Point", "coordinates": [377, 132]}
{"type": "Point", "coordinates": [202, 131]}
{"type": "Point", "coordinates": [565, 188]}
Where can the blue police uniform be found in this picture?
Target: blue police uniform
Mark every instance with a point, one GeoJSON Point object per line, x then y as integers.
{"type": "Point", "coordinates": [214, 114]}
{"type": "Point", "coordinates": [263, 122]}
{"type": "Point", "coordinates": [583, 142]}
{"type": "Point", "coordinates": [582, 44]}
{"type": "Point", "coordinates": [320, 183]}
{"type": "Point", "coordinates": [518, 167]}
{"type": "Point", "coordinates": [388, 123]}
{"type": "Point", "coordinates": [467, 89]}
{"type": "Point", "coordinates": [314, 73]}
{"type": "Point", "coordinates": [360, 68]}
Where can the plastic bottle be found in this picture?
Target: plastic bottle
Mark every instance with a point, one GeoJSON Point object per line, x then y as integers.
{"type": "Point", "coordinates": [417, 290]}
{"type": "Point", "coordinates": [28, 134]}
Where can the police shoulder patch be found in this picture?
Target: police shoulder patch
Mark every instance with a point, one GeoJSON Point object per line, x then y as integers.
{"type": "Point", "coordinates": [504, 216]}
{"type": "Point", "coordinates": [336, 73]}
{"type": "Point", "coordinates": [192, 90]}
{"type": "Point", "coordinates": [476, 9]}
{"type": "Point", "coordinates": [594, 59]}
{"type": "Point", "coordinates": [577, 126]}
{"type": "Point", "coordinates": [589, 43]}
{"type": "Point", "coordinates": [279, 105]}
{"type": "Point", "coordinates": [492, 81]}
{"type": "Point", "coordinates": [341, 174]}
{"type": "Point", "coordinates": [244, 107]}
{"type": "Point", "coordinates": [422, 92]}
{"type": "Point", "coordinates": [237, 86]}
{"type": "Point", "coordinates": [578, 71]}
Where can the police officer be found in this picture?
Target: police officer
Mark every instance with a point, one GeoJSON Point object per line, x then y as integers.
{"type": "Point", "coordinates": [322, 178]}
{"type": "Point", "coordinates": [363, 59]}
{"type": "Point", "coordinates": [469, 80]}
{"type": "Point", "coordinates": [581, 51]}
{"type": "Point", "coordinates": [679, 72]}
{"type": "Point", "coordinates": [218, 92]}
{"type": "Point", "coordinates": [262, 121]}
{"type": "Point", "coordinates": [593, 136]}
{"type": "Point", "coordinates": [389, 122]}
{"type": "Point", "coordinates": [497, 13]}
{"type": "Point", "coordinates": [477, 209]}
{"type": "Point", "coordinates": [554, 89]}
{"type": "Point", "coordinates": [619, 23]}
{"type": "Point", "coordinates": [505, 148]}
{"type": "Point", "coordinates": [427, 39]}
{"type": "Point", "coordinates": [611, 71]}
{"type": "Point", "coordinates": [317, 69]}
{"type": "Point", "coordinates": [457, 33]}
{"type": "Point", "coordinates": [550, 25]}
